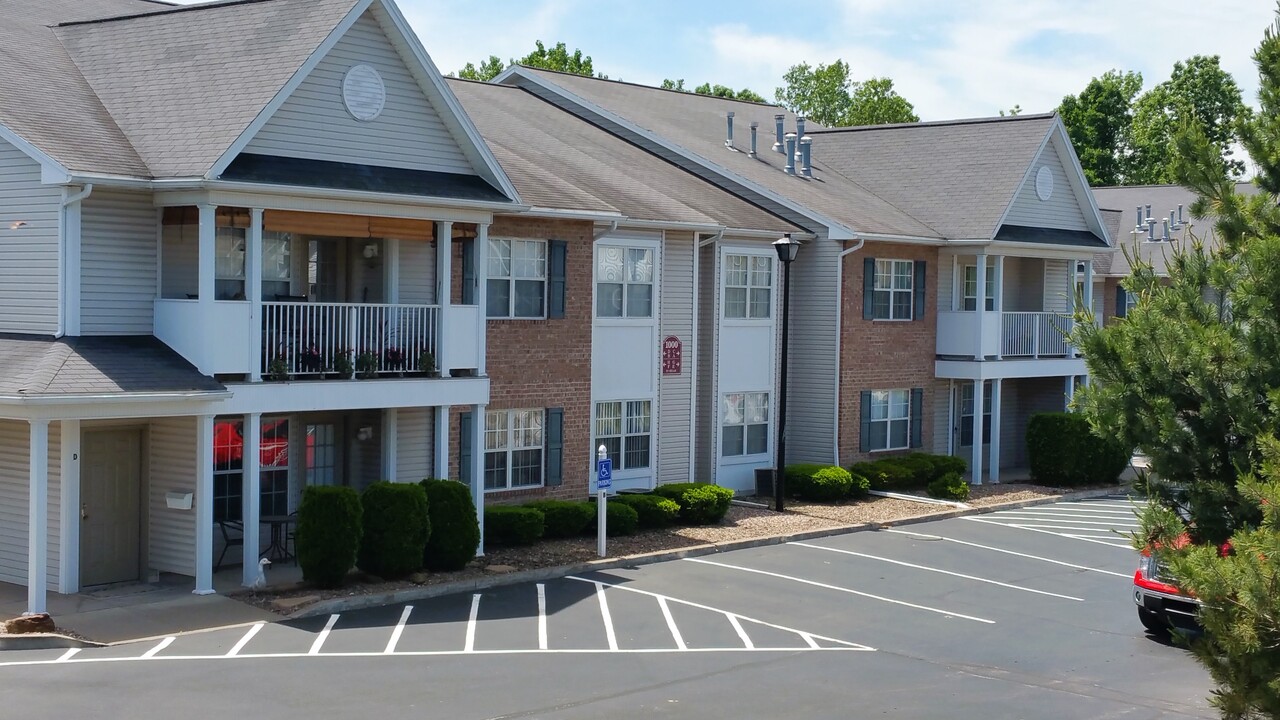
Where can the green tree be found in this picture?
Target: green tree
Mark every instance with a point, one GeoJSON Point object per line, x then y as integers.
{"type": "Point", "coordinates": [1098, 120]}
{"type": "Point", "coordinates": [723, 91]}
{"type": "Point", "coordinates": [488, 70]}
{"type": "Point", "coordinates": [557, 58]}
{"type": "Point", "coordinates": [829, 96]}
{"type": "Point", "coordinates": [875, 102]}
{"type": "Point", "coordinates": [1014, 111]}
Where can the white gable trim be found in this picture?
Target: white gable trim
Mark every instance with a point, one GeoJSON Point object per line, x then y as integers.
{"type": "Point", "coordinates": [51, 171]}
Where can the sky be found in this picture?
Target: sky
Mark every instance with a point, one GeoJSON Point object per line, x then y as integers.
{"type": "Point", "coordinates": [949, 58]}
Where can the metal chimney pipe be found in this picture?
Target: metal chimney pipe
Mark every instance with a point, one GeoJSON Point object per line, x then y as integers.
{"type": "Point", "coordinates": [1141, 222]}
{"type": "Point", "coordinates": [1151, 229]}
{"type": "Point", "coordinates": [1172, 223]}
{"type": "Point", "coordinates": [1166, 231]}
{"type": "Point", "coordinates": [1149, 212]}
{"type": "Point", "coordinates": [1179, 213]}
{"type": "Point", "coordinates": [754, 126]}
{"type": "Point", "coordinates": [790, 169]}
{"type": "Point", "coordinates": [806, 150]}
{"type": "Point", "coordinates": [800, 119]}
{"type": "Point", "coordinates": [777, 122]}
{"type": "Point", "coordinates": [728, 140]}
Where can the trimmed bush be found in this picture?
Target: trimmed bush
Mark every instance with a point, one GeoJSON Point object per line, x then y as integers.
{"type": "Point", "coordinates": [455, 530]}
{"type": "Point", "coordinates": [564, 518]}
{"type": "Point", "coordinates": [922, 467]}
{"type": "Point", "coordinates": [1064, 452]}
{"type": "Point", "coordinates": [653, 511]}
{"type": "Point", "coordinates": [884, 474]}
{"type": "Point", "coordinates": [328, 534]}
{"type": "Point", "coordinates": [513, 525]}
{"type": "Point", "coordinates": [944, 464]}
{"type": "Point", "coordinates": [622, 519]}
{"type": "Point", "coordinates": [700, 503]}
{"type": "Point", "coordinates": [395, 527]}
{"type": "Point", "coordinates": [797, 477]}
{"type": "Point", "coordinates": [949, 487]}
{"type": "Point", "coordinates": [820, 483]}
{"type": "Point", "coordinates": [859, 486]}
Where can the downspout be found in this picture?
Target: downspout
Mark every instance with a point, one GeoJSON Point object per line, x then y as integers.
{"type": "Point", "coordinates": [613, 225]}
{"type": "Point", "coordinates": [63, 246]}
{"type": "Point", "coordinates": [693, 350]}
{"type": "Point", "coordinates": [839, 339]}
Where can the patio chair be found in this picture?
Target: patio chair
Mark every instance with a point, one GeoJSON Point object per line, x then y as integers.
{"type": "Point", "coordinates": [228, 527]}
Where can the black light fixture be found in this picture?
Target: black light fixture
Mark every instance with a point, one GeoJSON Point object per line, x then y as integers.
{"type": "Point", "coordinates": [787, 249]}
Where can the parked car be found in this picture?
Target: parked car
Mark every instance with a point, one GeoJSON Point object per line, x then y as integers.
{"type": "Point", "coordinates": [1161, 605]}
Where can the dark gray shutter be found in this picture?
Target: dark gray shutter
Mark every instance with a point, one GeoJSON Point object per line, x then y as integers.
{"type": "Point", "coordinates": [557, 269]}
{"type": "Point", "coordinates": [464, 447]}
{"type": "Point", "coordinates": [1122, 301]}
{"type": "Point", "coordinates": [468, 272]}
{"type": "Point", "coordinates": [917, 290]}
{"type": "Point", "coordinates": [868, 288]}
{"type": "Point", "coordinates": [555, 446]}
{"type": "Point", "coordinates": [864, 410]}
{"type": "Point", "coordinates": [917, 417]}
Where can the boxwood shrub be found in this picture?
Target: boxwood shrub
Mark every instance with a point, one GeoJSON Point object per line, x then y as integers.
{"type": "Point", "coordinates": [653, 511]}
{"type": "Point", "coordinates": [622, 519]}
{"type": "Point", "coordinates": [1064, 452]}
{"type": "Point", "coordinates": [513, 525]}
{"type": "Point", "coordinates": [820, 483]}
{"type": "Point", "coordinates": [328, 534]}
{"type": "Point", "coordinates": [949, 487]}
{"type": "Point", "coordinates": [395, 527]}
{"type": "Point", "coordinates": [455, 530]}
{"type": "Point", "coordinates": [885, 474]}
{"type": "Point", "coordinates": [922, 467]}
{"type": "Point", "coordinates": [564, 518]}
{"type": "Point", "coordinates": [700, 503]}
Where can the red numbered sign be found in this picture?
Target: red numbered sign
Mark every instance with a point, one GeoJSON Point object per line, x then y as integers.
{"type": "Point", "coordinates": [672, 356]}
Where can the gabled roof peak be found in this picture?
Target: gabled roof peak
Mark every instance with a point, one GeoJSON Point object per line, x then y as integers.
{"type": "Point", "coordinates": [168, 9]}
{"type": "Point", "coordinates": [939, 123]}
{"type": "Point", "coordinates": [688, 93]}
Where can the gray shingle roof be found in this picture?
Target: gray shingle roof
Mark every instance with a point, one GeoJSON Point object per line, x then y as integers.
{"type": "Point", "coordinates": [559, 161]}
{"type": "Point", "coordinates": [43, 366]}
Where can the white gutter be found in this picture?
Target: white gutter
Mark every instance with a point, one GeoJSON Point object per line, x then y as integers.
{"type": "Point", "coordinates": [68, 259]}
{"type": "Point", "coordinates": [613, 225]}
{"type": "Point", "coordinates": [714, 238]}
{"type": "Point", "coordinates": [835, 435]}
{"type": "Point", "coordinates": [113, 398]}
{"type": "Point", "coordinates": [564, 214]}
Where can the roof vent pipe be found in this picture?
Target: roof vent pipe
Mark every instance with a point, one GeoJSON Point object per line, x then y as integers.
{"type": "Point", "coordinates": [790, 169]}
{"type": "Point", "coordinates": [1179, 213]}
{"type": "Point", "coordinates": [777, 143]}
{"type": "Point", "coordinates": [806, 149]}
{"type": "Point", "coordinates": [754, 126]}
{"type": "Point", "coordinates": [1166, 230]}
{"type": "Point", "coordinates": [728, 140]}
{"type": "Point", "coordinates": [1173, 224]}
{"type": "Point", "coordinates": [1149, 215]}
{"type": "Point", "coordinates": [1141, 220]}
{"type": "Point", "coordinates": [799, 132]}
{"type": "Point", "coordinates": [1151, 229]}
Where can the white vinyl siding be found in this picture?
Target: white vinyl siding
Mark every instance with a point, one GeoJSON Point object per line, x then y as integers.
{"type": "Point", "coordinates": [946, 281]}
{"type": "Point", "coordinates": [15, 436]}
{"type": "Point", "coordinates": [415, 444]}
{"type": "Point", "coordinates": [314, 123]}
{"type": "Point", "coordinates": [171, 537]}
{"type": "Point", "coordinates": [417, 272]}
{"type": "Point", "coordinates": [28, 252]}
{"type": "Point", "coordinates": [675, 392]}
{"type": "Point", "coordinates": [117, 263]}
{"type": "Point", "coordinates": [708, 447]}
{"type": "Point", "coordinates": [812, 352]}
{"type": "Point", "coordinates": [941, 416]}
{"type": "Point", "coordinates": [1062, 210]}
{"type": "Point", "coordinates": [1056, 288]}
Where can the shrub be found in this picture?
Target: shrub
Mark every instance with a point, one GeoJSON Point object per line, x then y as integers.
{"type": "Point", "coordinates": [653, 511]}
{"type": "Point", "coordinates": [700, 503]}
{"type": "Point", "coordinates": [944, 464]}
{"type": "Point", "coordinates": [859, 486]}
{"type": "Point", "coordinates": [564, 518]}
{"type": "Point", "coordinates": [622, 518]}
{"type": "Point", "coordinates": [884, 474]}
{"type": "Point", "coordinates": [821, 483]}
{"type": "Point", "coordinates": [455, 530]}
{"type": "Point", "coordinates": [949, 487]}
{"type": "Point", "coordinates": [395, 526]}
{"type": "Point", "coordinates": [1064, 452]}
{"type": "Point", "coordinates": [920, 465]}
{"type": "Point", "coordinates": [328, 534]}
{"type": "Point", "coordinates": [513, 525]}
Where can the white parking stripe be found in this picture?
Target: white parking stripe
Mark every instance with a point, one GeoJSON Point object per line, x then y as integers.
{"type": "Point", "coordinates": [1063, 519]}
{"type": "Point", "coordinates": [324, 635]}
{"type": "Point", "coordinates": [843, 589]}
{"type": "Point", "coordinates": [1088, 509]}
{"type": "Point", "coordinates": [1007, 552]}
{"type": "Point", "coordinates": [253, 630]}
{"type": "Point", "coordinates": [604, 615]}
{"type": "Point", "coordinates": [742, 634]}
{"type": "Point", "coordinates": [1099, 540]}
{"type": "Point", "coordinates": [70, 653]}
{"type": "Point", "coordinates": [671, 624]}
{"type": "Point", "coordinates": [1030, 529]}
{"type": "Point", "coordinates": [937, 570]}
{"type": "Point", "coordinates": [470, 644]}
{"type": "Point", "coordinates": [159, 646]}
{"type": "Point", "coordinates": [398, 631]}
{"type": "Point", "coordinates": [810, 641]}
{"type": "Point", "coordinates": [542, 616]}
{"type": "Point", "coordinates": [1104, 505]}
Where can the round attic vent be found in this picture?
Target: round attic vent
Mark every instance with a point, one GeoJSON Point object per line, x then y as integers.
{"type": "Point", "coordinates": [1044, 183]}
{"type": "Point", "coordinates": [363, 92]}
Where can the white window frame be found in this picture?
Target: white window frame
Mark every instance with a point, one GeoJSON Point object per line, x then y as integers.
{"type": "Point", "coordinates": [229, 262]}
{"type": "Point", "coordinates": [751, 287]}
{"type": "Point", "coordinates": [626, 282]}
{"type": "Point", "coordinates": [889, 401]}
{"type": "Point", "coordinates": [987, 405]}
{"type": "Point", "coordinates": [495, 244]}
{"type": "Point", "coordinates": [629, 426]}
{"type": "Point", "coordinates": [876, 289]}
{"type": "Point", "coordinates": [966, 297]}
{"type": "Point", "coordinates": [510, 440]}
{"type": "Point", "coordinates": [745, 426]}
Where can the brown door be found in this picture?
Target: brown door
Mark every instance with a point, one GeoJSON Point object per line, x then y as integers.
{"type": "Point", "coordinates": [111, 506]}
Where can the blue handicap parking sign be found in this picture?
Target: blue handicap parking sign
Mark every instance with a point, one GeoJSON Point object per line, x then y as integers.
{"type": "Point", "coordinates": [604, 474]}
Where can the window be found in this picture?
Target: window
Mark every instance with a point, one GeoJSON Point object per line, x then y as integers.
{"type": "Point", "coordinates": [624, 282]}
{"type": "Point", "coordinates": [624, 427]}
{"type": "Point", "coordinates": [966, 414]}
{"type": "Point", "coordinates": [228, 263]}
{"type": "Point", "coordinates": [1131, 301]}
{"type": "Point", "coordinates": [970, 288]}
{"type": "Point", "coordinates": [512, 449]}
{"type": "Point", "coordinates": [748, 286]}
{"type": "Point", "coordinates": [228, 464]}
{"type": "Point", "coordinates": [517, 285]}
{"type": "Point", "coordinates": [277, 264]}
{"type": "Point", "coordinates": [746, 424]}
{"type": "Point", "coordinates": [274, 475]}
{"type": "Point", "coordinates": [322, 455]}
{"type": "Point", "coordinates": [890, 422]}
{"type": "Point", "coordinates": [892, 292]}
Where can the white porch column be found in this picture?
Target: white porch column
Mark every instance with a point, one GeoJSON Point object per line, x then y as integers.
{"type": "Point", "coordinates": [957, 280]}
{"type": "Point", "coordinates": [979, 388]}
{"type": "Point", "coordinates": [980, 304]}
{"type": "Point", "coordinates": [477, 468]}
{"type": "Point", "coordinates": [997, 304]}
{"type": "Point", "coordinates": [253, 290]}
{"type": "Point", "coordinates": [444, 292]}
{"type": "Point", "coordinates": [994, 472]}
{"type": "Point", "coordinates": [38, 517]}
{"type": "Point", "coordinates": [205, 275]}
{"type": "Point", "coordinates": [392, 249]}
{"type": "Point", "coordinates": [440, 455]}
{"type": "Point", "coordinates": [1070, 392]}
{"type": "Point", "coordinates": [952, 411]}
{"type": "Point", "coordinates": [204, 504]}
{"type": "Point", "coordinates": [482, 292]}
{"type": "Point", "coordinates": [251, 496]}
{"type": "Point", "coordinates": [390, 444]}
{"type": "Point", "coordinates": [69, 509]}
{"type": "Point", "coordinates": [1088, 292]}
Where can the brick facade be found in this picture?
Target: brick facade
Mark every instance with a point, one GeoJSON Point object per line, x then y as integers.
{"type": "Point", "coordinates": [885, 355]}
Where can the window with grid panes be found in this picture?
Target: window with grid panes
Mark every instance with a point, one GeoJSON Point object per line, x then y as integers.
{"type": "Point", "coordinates": [745, 429]}
{"type": "Point", "coordinates": [513, 447]}
{"type": "Point", "coordinates": [228, 263]}
{"type": "Point", "coordinates": [274, 473]}
{"type": "Point", "coordinates": [517, 285]}
{"type": "Point", "coordinates": [748, 286]}
{"type": "Point", "coordinates": [277, 264]}
{"type": "Point", "coordinates": [890, 419]}
{"type": "Point", "coordinates": [966, 414]}
{"type": "Point", "coordinates": [228, 469]}
{"type": "Point", "coordinates": [624, 282]}
{"type": "Point", "coordinates": [893, 289]}
{"type": "Point", "coordinates": [624, 428]}
{"type": "Point", "coordinates": [970, 289]}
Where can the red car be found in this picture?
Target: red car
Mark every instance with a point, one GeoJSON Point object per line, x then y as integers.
{"type": "Point", "coordinates": [1161, 605]}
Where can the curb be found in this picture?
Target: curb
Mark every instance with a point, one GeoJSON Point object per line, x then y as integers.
{"type": "Point", "coordinates": [44, 641]}
{"type": "Point", "coordinates": [361, 602]}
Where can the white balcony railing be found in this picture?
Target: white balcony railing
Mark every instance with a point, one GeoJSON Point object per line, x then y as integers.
{"type": "Point", "coordinates": [1034, 334]}
{"type": "Point", "coordinates": [301, 339]}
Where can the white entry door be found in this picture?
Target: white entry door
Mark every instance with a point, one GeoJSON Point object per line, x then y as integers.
{"type": "Point", "coordinates": [111, 506]}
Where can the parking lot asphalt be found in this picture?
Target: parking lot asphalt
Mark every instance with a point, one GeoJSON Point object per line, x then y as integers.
{"type": "Point", "coordinates": [1018, 613]}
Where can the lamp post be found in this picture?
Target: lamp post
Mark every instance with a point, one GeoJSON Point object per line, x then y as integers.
{"type": "Point", "coordinates": [787, 249]}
